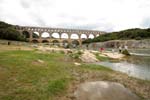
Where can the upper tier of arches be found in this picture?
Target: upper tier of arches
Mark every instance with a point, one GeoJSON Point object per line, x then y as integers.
{"type": "Point", "coordinates": [60, 32]}
{"type": "Point", "coordinates": [36, 34]}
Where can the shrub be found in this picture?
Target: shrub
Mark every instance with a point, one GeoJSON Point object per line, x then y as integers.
{"type": "Point", "coordinates": [80, 52]}
{"type": "Point", "coordinates": [76, 55]}
{"type": "Point", "coordinates": [126, 52]}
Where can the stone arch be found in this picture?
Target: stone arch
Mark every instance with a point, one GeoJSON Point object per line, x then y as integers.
{"type": "Point", "coordinates": [74, 36]}
{"type": "Point", "coordinates": [55, 35]}
{"type": "Point", "coordinates": [65, 43]}
{"type": "Point", "coordinates": [36, 34]}
{"type": "Point", "coordinates": [64, 36]}
{"type": "Point", "coordinates": [45, 41]}
{"type": "Point", "coordinates": [84, 36]}
{"type": "Point", "coordinates": [75, 43]}
{"type": "Point", "coordinates": [91, 36]}
{"type": "Point", "coordinates": [35, 41]}
{"type": "Point", "coordinates": [97, 35]}
{"type": "Point", "coordinates": [45, 35]}
{"type": "Point", "coordinates": [26, 34]}
{"type": "Point", "coordinates": [55, 42]}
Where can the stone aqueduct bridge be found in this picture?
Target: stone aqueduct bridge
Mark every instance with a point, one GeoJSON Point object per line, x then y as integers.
{"type": "Point", "coordinates": [60, 31]}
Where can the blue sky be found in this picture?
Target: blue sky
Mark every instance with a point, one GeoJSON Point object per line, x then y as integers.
{"type": "Point", "coordinates": [103, 15]}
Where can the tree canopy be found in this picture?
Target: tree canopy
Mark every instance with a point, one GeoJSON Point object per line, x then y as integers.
{"type": "Point", "coordinates": [8, 32]}
{"type": "Point", "coordinates": [122, 35]}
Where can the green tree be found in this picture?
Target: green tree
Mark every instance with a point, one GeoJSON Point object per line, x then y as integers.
{"type": "Point", "coordinates": [8, 32]}
{"type": "Point", "coordinates": [122, 35]}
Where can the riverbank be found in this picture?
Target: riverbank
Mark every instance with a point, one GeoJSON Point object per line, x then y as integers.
{"type": "Point", "coordinates": [53, 75]}
{"type": "Point", "coordinates": [137, 44]}
{"type": "Point", "coordinates": [86, 56]}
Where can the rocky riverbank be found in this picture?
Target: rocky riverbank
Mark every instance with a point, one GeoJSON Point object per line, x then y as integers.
{"type": "Point", "coordinates": [86, 56]}
{"type": "Point", "coordinates": [116, 43]}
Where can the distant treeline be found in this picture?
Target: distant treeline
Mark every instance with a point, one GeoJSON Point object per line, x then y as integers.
{"type": "Point", "coordinates": [8, 32]}
{"type": "Point", "coordinates": [136, 34]}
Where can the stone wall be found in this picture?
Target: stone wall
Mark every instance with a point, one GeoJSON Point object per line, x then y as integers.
{"type": "Point", "coordinates": [13, 42]}
{"type": "Point", "coordinates": [116, 43]}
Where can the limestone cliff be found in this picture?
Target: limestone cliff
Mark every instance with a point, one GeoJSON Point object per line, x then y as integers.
{"type": "Point", "coordinates": [116, 43]}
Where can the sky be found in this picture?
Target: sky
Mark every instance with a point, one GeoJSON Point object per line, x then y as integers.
{"type": "Point", "coordinates": [102, 15]}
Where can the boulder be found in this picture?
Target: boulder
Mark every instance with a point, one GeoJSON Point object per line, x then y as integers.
{"type": "Point", "coordinates": [101, 90]}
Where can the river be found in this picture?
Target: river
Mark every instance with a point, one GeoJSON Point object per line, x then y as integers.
{"type": "Point", "coordinates": [137, 65]}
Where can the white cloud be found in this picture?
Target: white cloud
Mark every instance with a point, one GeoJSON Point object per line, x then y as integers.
{"type": "Point", "coordinates": [146, 22]}
{"type": "Point", "coordinates": [104, 15]}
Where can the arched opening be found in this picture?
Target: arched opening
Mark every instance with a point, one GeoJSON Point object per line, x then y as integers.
{"type": "Point", "coordinates": [64, 36]}
{"type": "Point", "coordinates": [55, 42]}
{"type": "Point", "coordinates": [45, 35]}
{"type": "Point", "coordinates": [45, 41]}
{"type": "Point", "coordinates": [75, 43]}
{"type": "Point", "coordinates": [65, 44]}
{"type": "Point", "coordinates": [55, 35]}
{"type": "Point", "coordinates": [97, 35]}
{"type": "Point", "coordinates": [26, 34]}
{"type": "Point", "coordinates": [35, 41]}
{"type": "Point", "coordinates": [36, 35]}
{"type": "Point", "coordinates": [91, 36]}
{"type": "Point", "coordinates": [83, 36]}
{"type": "Point", "coordinates": [74, 36]}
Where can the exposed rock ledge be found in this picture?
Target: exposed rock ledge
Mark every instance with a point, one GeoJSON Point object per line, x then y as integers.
{"type": "Point", "coordinates": [101, 90]}
{"type": "Point", "coordinates": [88, 57]}
{"type": "Point", "coordinates": [116, 43]}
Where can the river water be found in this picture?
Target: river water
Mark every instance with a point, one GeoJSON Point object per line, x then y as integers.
{"type": "Point", "coordinates": [137, 65]}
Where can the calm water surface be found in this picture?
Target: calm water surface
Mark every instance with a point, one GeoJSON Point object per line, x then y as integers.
{"type": "Point", "coordinates": [137, 65]}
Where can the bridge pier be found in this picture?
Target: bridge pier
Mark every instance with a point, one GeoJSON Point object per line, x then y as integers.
{"type": "Point", "coordinates": [30, 37]}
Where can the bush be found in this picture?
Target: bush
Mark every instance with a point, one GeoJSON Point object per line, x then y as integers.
{"type": "Point", "coordinates": [76, 55]}
{"type": "Point", "coordinates": [80, 52]}
{"type": "Point", "coordinates": [126, 52]}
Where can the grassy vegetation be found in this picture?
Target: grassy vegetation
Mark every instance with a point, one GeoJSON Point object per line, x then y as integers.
{"type": "Point", "coordinates": [36, 75]}
{"type": "Point", "coordinates": [95, 67]}
{"type": "Point", "coordinates": [22, 77]}
{"type": "Point", "coordinates": [76, 55]}
{"type": "Point", "coordinates": [101, 58]}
